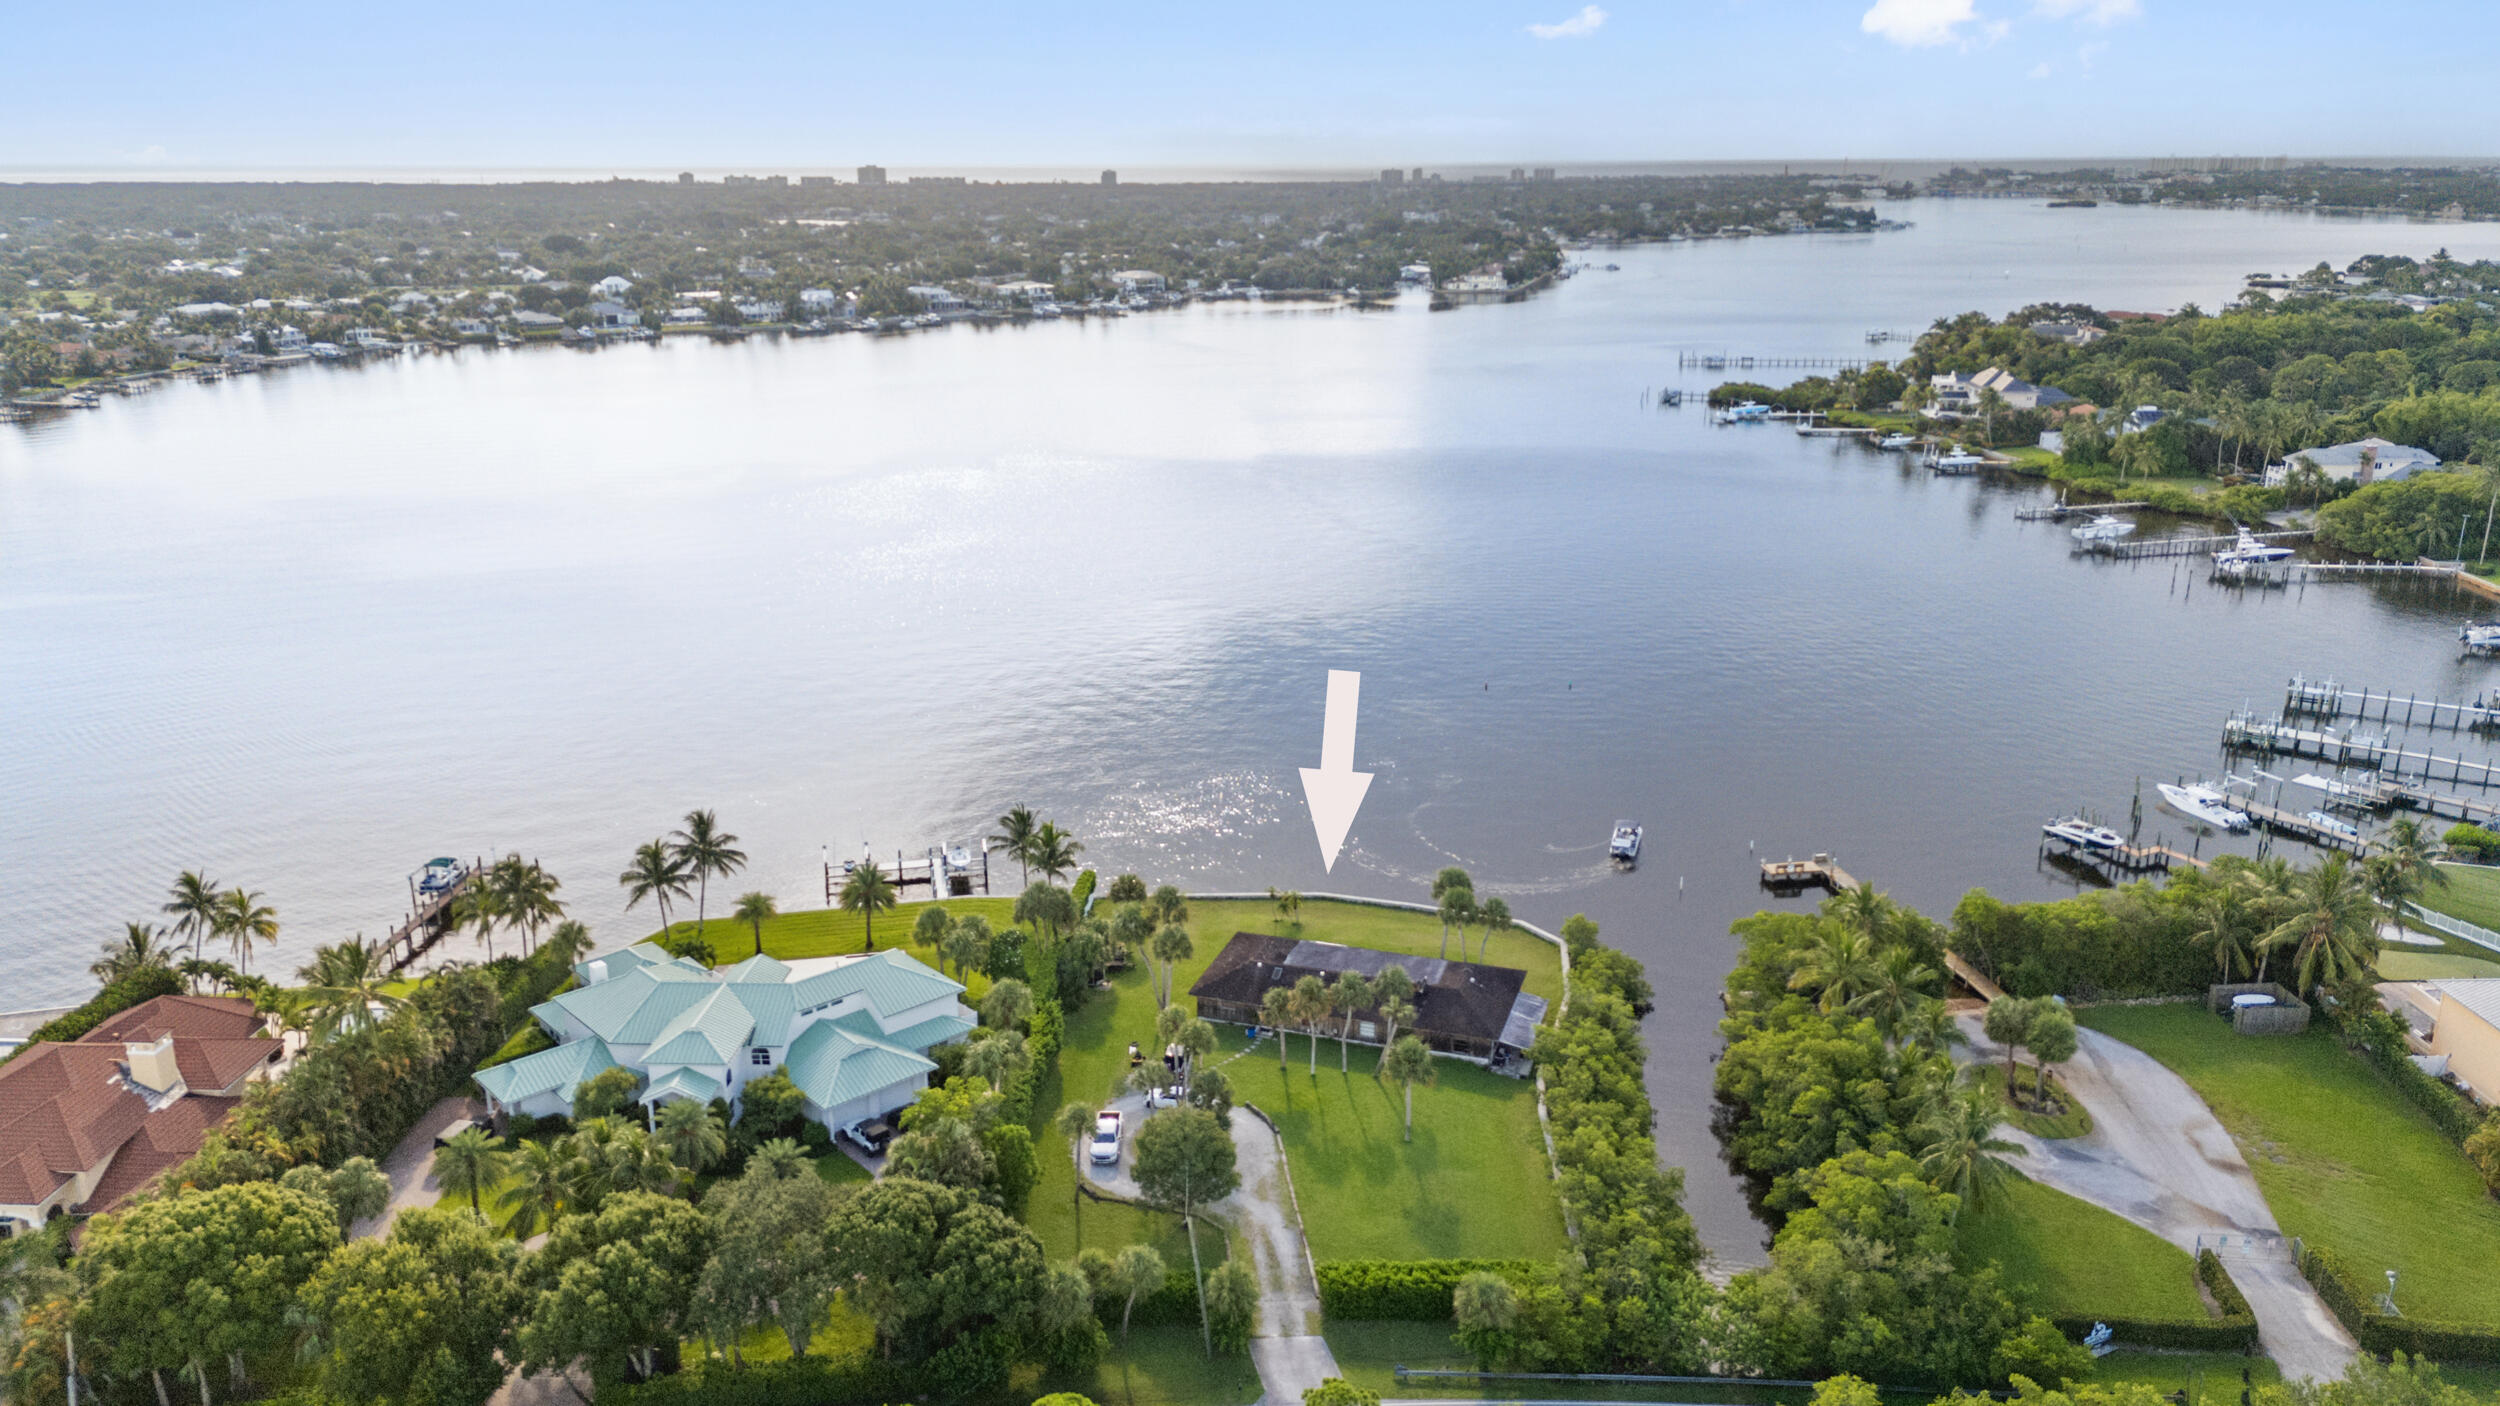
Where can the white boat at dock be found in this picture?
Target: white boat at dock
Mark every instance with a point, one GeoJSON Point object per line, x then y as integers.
{"type": "Point", "coordinates": [1626, 842]}
{"type": "Point", "coordinates": [1751, 412]}
{"type": "Point", "coordinates": [2083, 834]}
{"type": "Point", "coordinates": [1897, 441]}
{"type": "Point", "coordinates": [2247, 556]}
{"type": "Point", "coordinates": [2340, 829]}
{"type": "Point", "coordinates": [2104, 528]}
{"type": "Point", "coordinates": [2482, 637]}
{"type": "Point", "coordinates": [1957, 461]}
{"type": "Point", "coordinates": [2204, 805]}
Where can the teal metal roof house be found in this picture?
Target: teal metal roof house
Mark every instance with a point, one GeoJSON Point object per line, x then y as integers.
{"type": "Point", "coordinates": [854, 1033]}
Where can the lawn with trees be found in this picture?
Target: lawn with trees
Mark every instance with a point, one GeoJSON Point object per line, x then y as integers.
{"type": "Point", "coordinates": [2345, 1161]}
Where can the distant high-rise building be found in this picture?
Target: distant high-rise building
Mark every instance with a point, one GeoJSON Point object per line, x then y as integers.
{"type": "Point", "coordinates": [685, 178]}
{"type": "Point", "coordinates": [872, 175]}
{"type": "Point", "coordinates": [1545, 173]}
{"type": "Point", "coordinates": [820, 180]}
{"type": "Point", "coordinates": [1111, 178]}
{"type": "Point", "coordinates": [1517, 174]}
{"type": "Point", "coordinates": [1392, 177]}
{"type": "Point", "coordinates": [1419, 174]}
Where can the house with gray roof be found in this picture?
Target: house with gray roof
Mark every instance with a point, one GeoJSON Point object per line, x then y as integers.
{"type": "Point", "coordinates": [2372, 460]}
{"type": "Point", "coordinates": [853, 1032]}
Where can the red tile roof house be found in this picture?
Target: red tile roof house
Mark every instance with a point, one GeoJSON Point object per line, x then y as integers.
{"type": "Point", "coordinates": [85, 1124]}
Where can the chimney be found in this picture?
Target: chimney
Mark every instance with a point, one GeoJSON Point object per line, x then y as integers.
{"type": "Point", "coordinates": [596, 972]}
{"type": "Point", "coordinates": [152, 1068]}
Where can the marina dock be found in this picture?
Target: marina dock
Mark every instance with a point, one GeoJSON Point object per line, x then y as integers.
{"type": "Point", "coordinates": [2155, 858]}
{"type": "Point", "coordinates": [2062, 511]}
{"type": "Point", "coordinates": [2241, 732]}
{"type": "Point", "coordinates": [2151, 547]}
{"type": "Point", "coordinates": [1721, 361]}
{"type": "Point", "coordinates": [2328, 699]}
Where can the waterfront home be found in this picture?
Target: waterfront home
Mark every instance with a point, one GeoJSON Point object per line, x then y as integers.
{"type": "Point", "coordinates": [1138, 281]}
{"type": "Point", "coordinates": [1466, 1009]}
{"type": "Point", "coordinates": [2073, 334]}
{"type": "Point", "coordinates": [1023, 290]}
{"type": "Point", "coordinates": [2363, 461]}
{"type": "Point", "coordinates": [539, 324]}
{"type": "Point", "coordinates": [2142, 418]}
{"type": "Point", "coordinates": [760, 309]}
{"type": "Point", "coordinates": [936, 299]}
{"type": "Point", "coordinates": [613, 315]}
{"type": "Point", "coordinates": [476, 327]}
{"type": "Point", "coordinates": [1957, 394]}
{"type": "Point", "coordinates": [613, 286]}
{"type": "Point", "coordinates": [2453, 1030]}
{"type": "Point", "coordinates": [854, 1033]}
{"type": "Point", "coordinates": [84, 1124]}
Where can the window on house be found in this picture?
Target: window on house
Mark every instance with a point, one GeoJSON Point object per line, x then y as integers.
{"type": "Point", "coordinates": [1367, 1030]}
{"type": "Point", "coordinates": [759, 1055]}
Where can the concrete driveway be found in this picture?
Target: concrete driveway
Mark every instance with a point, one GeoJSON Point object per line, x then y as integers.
{"type": "Point", "coordinates": [410, 1166]}
{"type": "Point", "coordinates": [2157, 1156]}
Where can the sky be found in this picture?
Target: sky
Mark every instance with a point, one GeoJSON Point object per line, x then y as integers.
{"type": "Point", "coordinates": [633, 86]}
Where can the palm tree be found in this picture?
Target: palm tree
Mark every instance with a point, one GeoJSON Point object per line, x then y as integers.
{"type": "Point", "coordinates": [536, 1194]}
{"type": "Point", "coordinates": [2222, 925]}
{"type": "Point", "coordinates": [1394, 989]}
{"type": "Point", "coordinates": [867, 893]}
{"type": "Point", "coordinates": [1862, 908]}
{"type": "Point", "coordinates": [570, 942]}
{"type": "Point", "coordinates": [779, 1158]}
{"type": "Point", "coordinates": [1963, 1153]}
{"type": "Point", "coordinates": [138, 950]}
{"type": "Point", "coordinates": [1351, 995]}
{"type": "Point", "coordinates": [1410, 1064]}
{"type": "Point", "coordinates": [1276, 1012]}
{"type": "Point", "coordinates": [524, 896]}
{"type": "Point", "coordinates": [478, 906]}
{"type": "Point", "coordinates": [1839, 968]}
{"type": "Point", "coordinates": [1494, 914]}
{"type": "Point", "coordinates": [1008, 1004]}
{"type": "Point", "coordinates": [691, 1135]}
{"type": "Point", "coordinates": [242, 919]}
{"type": "Point", "coordinates": [193, 907]}
{"type": "Point", "coordinates": [1458, 908]}
{"type": "Point", "coordinates": [1053, 851]}
{"type": "Point", "coordinates": [706, 849]}
{"type": "Point", "coordinates": [2270, 888]}
{"type": "Point", "coordinates": [1168, 906]}
{"type": "Point", "coordinates": [657, 874]}
{"type": "Point", "coordinates": [2402, 868]}
{"type": "Point", "coordinates": [343, 985]}
{"type": "Point", "coordinates": [754, 909]}
{"type": "Point", "coordinates": [1310, 1005]}
{"type": "Point", "coordinates": [997, 1058]}
{"type": "Point", "coordinates": [930, 928]}
{"type": "Point", "coordinates": [1171, 946]}
{"type": "Point", "coordinates": [967, 941]}
{"type": "Point", "coordinates": [1076, 1123]}
{"type": "Point", "coordinates": [1045, 907]}
{"type": "Point", "coordinates": [469, 1163]}
{"type": "Point", "coordinates": [1015, 836]}
{"type": "Point", "coordinates": [1898, 988]}
{"type": "Point", "coordinates": [2334, 931]}
{"type": "Point", "coordinates": [1131, 930]}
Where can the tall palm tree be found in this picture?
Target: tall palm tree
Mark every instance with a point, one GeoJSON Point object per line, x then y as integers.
{"type": "Point", "coordinates": [1310, 1005]}
{"type": "Point", "coordinates": [1839, 968]}
{"type": "Point", "coordinates": [536, 1194]}
{"type": "Point", "coordinates": [657, 874]}
{"type": "Point", "coordinates": [242, 919]}
{"type": "Point", "coordinates": [1015, 836]}
{"type": "Point", "coordinates": [1171, 946]}
{"type": "Point", "coordinates": [1963, 1154]}
{"type": "Point", "coordinates": [2270, 888]}
{"type": "Point", "coordinates": [1410, 1064]}
{"type": "Point", "coordinates": [525, 896]}
{"type": "Point", "coordinates": [2404, 856]}
{"type": "Point", "coordinates": [706, 849]}
{"type": "Point", "coordinates": [2222, 925]}
{"type": "Point", "coordinates": [1045, 907]}
{"type": "Point", "coordinates": [1494, 915]}
{"type": "Point", "coordinates": [1895, 992]}
{"type": "Point", "coordinates": [1458, 908]}
{"type": "Point", "coordinates": [691, 1136]}
{"type": "Point", "coordinates": [343, 985]}
{"type": "Point", "coordinates": [1053, 851]}
{"type": "Point", "coordinates": [867, 893]}
{"type": "Point", "coordinates": [1168, 905]}
{"type": "Point", "coordinates": [193, 907]}
{"type": "Point", "coordinates": [468, 1164]}
{"type": "Point", "coordinates": [1076, 1123]}
{"type": "Point", "coordinates": [2333, 933]}
{"type": "Point", "coordinates": [478, 908]}
{"type": "Point", "coordinates": [1862, 908]}
{"type": "Point", "coordinates": [967, 941]}
{"type": "Point", "coordinates": [754, 909]}
{"type": "Point", "coordinates": [1276, 1012]}
{"type": "Point", "coordinates": [1350, 996]}
{"type": "Point", "coordinates": [930, 927]}
{"type": "Point", "coordinates": [569, 943]}
{"type": "Point", "coordinates": [139, 948]}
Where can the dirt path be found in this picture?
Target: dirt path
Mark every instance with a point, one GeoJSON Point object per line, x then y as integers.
{"type": "Point", "coordinates": [1288, 1350]}
{"type": "Point", "coordinates": [2157, 1156]}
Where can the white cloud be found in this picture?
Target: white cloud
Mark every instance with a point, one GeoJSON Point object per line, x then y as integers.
{"type": "Point", "coordinates": [1579, 26]}
{"type": "Point", "coordinates": [2041, 70]}
{"type": "Point", "coordinates": [2102, 12]}
{"type": "Point", "coordinates": [1921, 24]}
{"type": "Point", "coordinates": [2091, 51]}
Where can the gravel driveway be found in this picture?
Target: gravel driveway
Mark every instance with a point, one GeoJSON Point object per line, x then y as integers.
{"type": "Point", "coordinates": [2157, 1156]}
{"type": "Point", "coordinates": [1288, 1350]}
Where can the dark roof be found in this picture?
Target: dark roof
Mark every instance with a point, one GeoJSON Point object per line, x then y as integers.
{"type": "Point", "coordinates": [1465, 1000]}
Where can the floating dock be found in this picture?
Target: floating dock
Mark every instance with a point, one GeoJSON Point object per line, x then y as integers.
{"type": "Point", "coordinates": [2241, 732]}
{"type": "Point", "coordinates": [2326, 698]}
{"type": "Point", "coordinates": [1822, 871]}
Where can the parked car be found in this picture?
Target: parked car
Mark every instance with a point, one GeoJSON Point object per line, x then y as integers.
{"type": "Point", "coordinates": [872, 1134]}
{"type": "Point", "coordinates": [1105, 1148]}
{"type": "Point", "coordinates": [452, 1130]}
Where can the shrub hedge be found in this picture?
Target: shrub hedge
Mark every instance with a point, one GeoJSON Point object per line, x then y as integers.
{"type": "Point", "coordinates": [2378, 1332]}
{"type": "Point", "coordinates": [2379, 1036]}
{"type": "Point", "coordinates": [146, 984]}
{"type": "Point", "coordinates": [1043, 1033]}
{"type": "Point", "coordinates": [1416, 1291]}
{"type": "Point", "coordinates": [2217, 1281]}
{"type": "Point", "coordinates": [2177, 1334]}
{"type": "Point", "coordinates": [1173, 1305]}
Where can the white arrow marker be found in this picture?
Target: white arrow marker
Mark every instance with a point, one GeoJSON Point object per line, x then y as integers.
{"type": "Point", "coordinates": [1336, 789]}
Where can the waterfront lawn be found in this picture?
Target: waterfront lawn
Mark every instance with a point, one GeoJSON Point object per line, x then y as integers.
{"type": "Point", "coordinates": [2344, 1161]}
{"type": "Point", "coordinates": [832, 932]}
{"type": "Point", "coordinates": [2472, 893]}
{"type": "Point", "coordinates": [1472, 1185]}
{"type": "Point", "coordinates": [2066, 1257]}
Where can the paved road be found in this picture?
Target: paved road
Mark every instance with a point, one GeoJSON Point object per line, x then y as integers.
{"type": "Point", "coordinates": [411, 1167]}
{"type": "Point", "coordinates": [2157, 1156]}
{"type": "Point", "coordinates": [1288, 1350]}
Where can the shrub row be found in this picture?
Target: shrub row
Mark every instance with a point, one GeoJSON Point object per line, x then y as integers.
{"type": "Point", "coordinates": [803, 1381]}
{"type": "Point", "coordinates": [145, 984]}
{"type": "Point", "coordinates": [2377, 1332]}
{"type": "Point", "coordinates": [1173, 1305]}
{"type": "Point", "coordinates": [2380, 1038]}
{"type": "Point", "coordinates": [1044, 1031]}
{"type": "Point", "coordinates": [1415, 1291]}
{"type": "Point", "coordinates": [2217, 1281]}
{"type": "Point", "coordinates": [2177, 1334]}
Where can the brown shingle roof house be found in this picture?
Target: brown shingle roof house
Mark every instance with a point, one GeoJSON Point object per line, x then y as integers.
{"type": "Point", "coordinates": [1461, 1008]}
{"type": "Point", "coordinates": [84, 1124]}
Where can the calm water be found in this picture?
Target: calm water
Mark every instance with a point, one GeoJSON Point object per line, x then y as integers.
{"type": "Point", "coordinates": [306, 630]}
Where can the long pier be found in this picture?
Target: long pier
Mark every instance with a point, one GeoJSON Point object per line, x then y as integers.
{"type": "Point", "coordinates": [2299, 827]}
{"type": "Point", "coordinates": [2326, 698]}
{"type": "Point", "coordinates": [2241, 732]}
{"type": "Point", "coordinates": [1721, 361]}
{"type": "Point", "coordinates": [2150, 547]}
{"type": "Point", "coordinates": [430, 923]}
{"type": "Point", "coordinates": [1822, 871]}
{"type": "Point", "coordinates": [2061, 511]}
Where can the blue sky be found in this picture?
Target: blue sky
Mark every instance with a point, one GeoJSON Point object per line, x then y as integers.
{"type": "Point", "coordinates": [637, 86]}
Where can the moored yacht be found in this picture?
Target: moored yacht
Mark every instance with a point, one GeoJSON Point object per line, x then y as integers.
{"type": "Point", "coordinates": [1896, 441]}
{"type": "Point", "coordinates": [2204, 805]}
{"type": "Point", "coordinates": [2480, 638]}
{"type": "Point", "coordinates": [2247, 555]}
{"type": "Point", "coordinates": [2083, 834]}
{"type": "Point", "coordinates": [2104, 528]}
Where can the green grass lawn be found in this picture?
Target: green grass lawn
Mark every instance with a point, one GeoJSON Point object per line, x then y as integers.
{"type": "Point", "coordinates": [2471, 893]}
{"type": "Point", "coordinates": [2065, 1256]}
{"type": "Point", "coordinates": [2344, 1161]}
{"type": "Point", "coordinates": [2425, 964]}
{"type": "Point", "coordinates": [2073, 1121]}
{"type": "Point", "coordinates": [1163, 1367]}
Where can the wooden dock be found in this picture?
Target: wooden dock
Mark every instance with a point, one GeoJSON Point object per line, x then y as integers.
{"type": "Point", "coordinates": [2241, 732]}
{"type": "Point", "coordinates": [2155, 858]}
{"type": "Point", "coordinates": [2062, 511]}
{"type": "Point", "coordinates": [1822, 871]}
{"type": "Point", "coordinates": [1721, 361]}
{"type": "Point", "coordinates": [2326, 698]}
{"type": "Point", "coordinates": [931, 872]}
{"type": "Point", "coordinates": [2298, 826]}
{"type": "Point", "coordinates": [430, 922]}
{"type": "Point", "coordinates": [2152, 547]}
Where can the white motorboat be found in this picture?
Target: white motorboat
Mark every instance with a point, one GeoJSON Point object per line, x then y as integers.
{"type": "Point", "coordinates": [2248, 555]}
{"type": "Point", "coordinates": [2083, 834]}
{"type": "Point", "coordinates": [2341, 830]}
{"type": "Point", "coordinates": [2324, 784]}
{"type": "Point", "coordinates": [1959, 461]}
{"type": "Point", "coordinates": [2104, 528]}
{"type": "Point", "coordinates": [1748, 413]}
{"type": "Point", "coordinates": [1896, 441]}
{"type": "Point", "coordinates": [1626, 843]}
{"type": "Point", "coordinates": [2204, 805]}
{"type": "Point", "coordinates": [2480, 638]}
